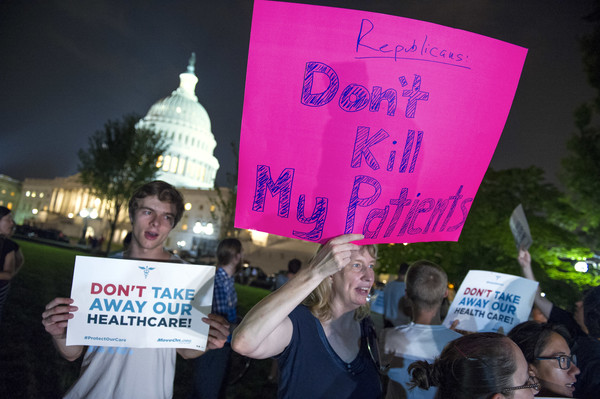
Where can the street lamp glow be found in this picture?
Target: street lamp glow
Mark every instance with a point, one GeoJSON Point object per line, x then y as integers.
{"type": "Point", "coordinates": [187, 206]}
{"type": "Point", "coordinates": [203, 228]}
{"type": "Point", "coordinates": [581, 267]}
{"type": "Point", "coordinates": [94, 214]}
{"type": "Point", "coordinates": [84, 213]}
{"type": "Point", "coordinates": [34, 211]}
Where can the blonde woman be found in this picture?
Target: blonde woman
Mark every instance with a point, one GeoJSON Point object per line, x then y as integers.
{"type": "Point", "coordinates": [316, 325]}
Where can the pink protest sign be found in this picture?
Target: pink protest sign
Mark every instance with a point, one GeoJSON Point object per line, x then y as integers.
{"type": "Point", "coordinates": [367, 123]}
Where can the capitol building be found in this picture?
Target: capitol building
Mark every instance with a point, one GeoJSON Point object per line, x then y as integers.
{"type": "Point", "coordinates": [189, 164]}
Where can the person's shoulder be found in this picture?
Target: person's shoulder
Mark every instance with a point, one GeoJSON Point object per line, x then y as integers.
{"type": "Point", "coordinates": [175, 258]}
{"type": "Point", "coordinates": [400, 331]}
{"type": "Point", "coordinates": [8, 244]}
{"type": "Point", "coordinates": [446, 332]}
{"type": "Point", "coordinates": [394, 285]}
{"type": "Point", "coordinates": [221, 274]}
{"type": "Point", "coordinates": [301, 312]}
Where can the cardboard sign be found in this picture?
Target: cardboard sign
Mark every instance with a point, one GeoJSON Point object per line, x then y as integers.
{"type": "Point", "coordinates": [520, 228]}
{"type": "Point", "coordinates": [140, 304]}
{"type": "Point", "coordinates": [487, 301]}
{"type": "Point", "coordinates": [367, 123]}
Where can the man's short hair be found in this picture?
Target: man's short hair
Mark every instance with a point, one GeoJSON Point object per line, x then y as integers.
{"type": "Point", "coordinates": [228, 249]}
{"type": "Point", "coordinates": [591, 312]}
{"type": "Point", "coordinates": [294, 265]}
{"type": "Point", "coordinates": [163, 191]}
{"type": "Point", "coordinates": [426, 284]}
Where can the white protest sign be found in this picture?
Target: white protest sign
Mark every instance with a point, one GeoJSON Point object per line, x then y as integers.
{"type": "Point", "coordinates": [487, 301]}
{"type": "Point", "coordinates": [520, 228]}
{"type": "Point", "coordinates": [140, 303]}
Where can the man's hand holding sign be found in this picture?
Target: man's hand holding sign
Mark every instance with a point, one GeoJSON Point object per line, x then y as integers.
{"type": "Point", "coordinates": [130, 311]}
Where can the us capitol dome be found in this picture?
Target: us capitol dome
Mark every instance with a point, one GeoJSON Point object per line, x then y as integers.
{"type": "Point", "coordinates": [189, 162]}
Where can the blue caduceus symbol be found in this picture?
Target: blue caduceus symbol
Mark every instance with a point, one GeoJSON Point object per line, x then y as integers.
{"type": "Point", "coordinates": [146, 270]}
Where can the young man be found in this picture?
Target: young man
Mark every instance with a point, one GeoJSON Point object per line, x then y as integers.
{"type": "Point", "coordinates": [425, 337]}
{"type": "Point", "coordinates": [209, 370]}
{"type": "Point", "coordinates": [154, 210]}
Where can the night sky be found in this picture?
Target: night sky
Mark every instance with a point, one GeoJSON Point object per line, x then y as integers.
{"type": "Point", "coordinates": [69, 66]}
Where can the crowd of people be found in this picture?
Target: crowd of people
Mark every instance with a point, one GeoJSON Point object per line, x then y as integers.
{"type": "Point", "coordinates": [317, 327]}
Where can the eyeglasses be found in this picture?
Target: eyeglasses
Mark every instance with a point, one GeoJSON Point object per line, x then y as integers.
{"type": "Point", "coordinates": [535, 385]}
{"type": "Point", "coordinates": [564, 361]}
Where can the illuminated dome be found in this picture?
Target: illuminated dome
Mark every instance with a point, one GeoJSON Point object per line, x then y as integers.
{"type": "Point", "coordinates": [189, 161]}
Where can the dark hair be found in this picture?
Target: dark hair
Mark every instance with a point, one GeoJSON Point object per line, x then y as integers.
{"type": "Point", "coordinates": [294, 265]}
{"type": "Point", "coordinates": [165, 193]}
{"type": "Point", "coordinates": [426, 284]}
{"type": "Point", "coordinates": [532, 337]}
{"type": "Point", "coordinates": [227, 250]}
{"type": "Point", "coordinates": [591, 312]}
{"type": "Point", "coordinates": [474, 366]}
{"type": "Point", "coordinates": [4, 211]}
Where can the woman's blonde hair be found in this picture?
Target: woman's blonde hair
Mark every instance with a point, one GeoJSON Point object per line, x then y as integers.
{"type": "Point", "coordinates": [318, 300]}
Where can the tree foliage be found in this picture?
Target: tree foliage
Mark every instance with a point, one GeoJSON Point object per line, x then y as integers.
{"type": "Point", "coordinates": [582, 164]}
{"type": "Point", "coordinates": [590, 48]}
{"type": "Point", "coordinates": [119, 158]}
{"type": "Point", "coordinates": [486, 242]}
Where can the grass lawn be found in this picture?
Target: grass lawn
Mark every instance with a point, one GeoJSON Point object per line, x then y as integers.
{"type": "Point", "coordinates": [30, 366]}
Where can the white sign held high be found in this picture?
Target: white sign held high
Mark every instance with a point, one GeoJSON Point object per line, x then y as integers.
{"type": "Point", "coordinates": [487, 301]}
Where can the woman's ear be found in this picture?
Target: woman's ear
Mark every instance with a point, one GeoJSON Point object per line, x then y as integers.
{"type": "Point", "coordinates": [532, 370]}
{"type": "Point", "coordinates": [498, 396]}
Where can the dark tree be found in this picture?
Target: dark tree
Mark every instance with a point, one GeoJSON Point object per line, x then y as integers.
{"type": "Point", "coordinates": [486, 242]}
{"type": "Point", "coordinates": [119, 158]}
{"type": "Point", "coordinates": [582, 165]}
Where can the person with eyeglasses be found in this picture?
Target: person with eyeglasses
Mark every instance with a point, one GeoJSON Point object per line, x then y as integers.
{"type": "Point", "coordinates": [317, 326]}
{"type": "Point", "coordinates": [583, 327]}
{"type": "Point", "coordinates": [546, 349]}
{"type": "Point", "coordinates": [477, 366]}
